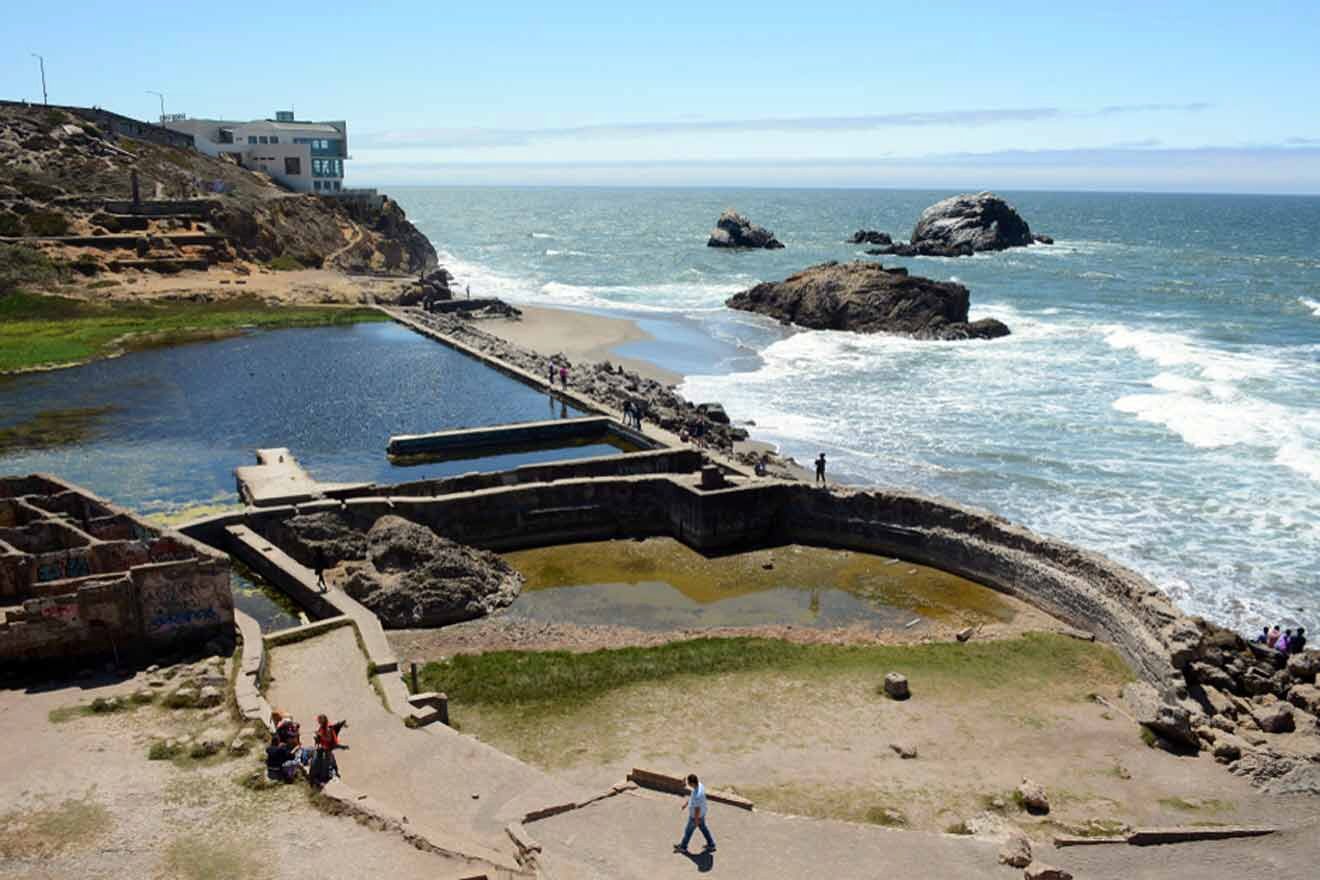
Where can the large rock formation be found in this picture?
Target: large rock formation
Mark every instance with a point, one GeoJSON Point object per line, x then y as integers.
{"type": "Point", "coordinates": [733, 230]}
{"type": "Point", "coordinates": [413, 577]}
{"type": "Point", "coordinates": [870, 236]}
{"type": "Point", "coordinates": [963, 225]}
{"type": "Point", "coordinates": [868, 298]}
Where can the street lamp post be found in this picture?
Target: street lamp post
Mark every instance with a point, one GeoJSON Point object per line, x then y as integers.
{"type": "Point", "coordinates": [42, 61]}
{"type": "Point", "coordinates": [160, 95]}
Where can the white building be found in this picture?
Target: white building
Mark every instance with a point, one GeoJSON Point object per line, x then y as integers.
{"type": "Point", "coordinates": [302, 156]}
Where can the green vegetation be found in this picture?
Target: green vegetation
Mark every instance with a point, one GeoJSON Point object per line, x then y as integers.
{"type": "Point", "coordinates": [42, 833]}
{"type": "Point", "coordinates": [286, 263]}
{"type": "Point", "coordinates": [202, 856]}
{"type": "Point", "coordinates": [10, 223]}
{"type": "Point", "coordinates": [50, 330]}
{"type": "Point", "coordinates": [551, 680]}
{"type": "Point", "coordinates": [23, 266]}
{"type": "Point", "coordinates": [52, 428]}
{"type": "Point", "coordinates": [47, 223]}
{"type": "Point", "coordinates": [98, 706]}
{"type": "Point", "coordinates": [1192, 805]}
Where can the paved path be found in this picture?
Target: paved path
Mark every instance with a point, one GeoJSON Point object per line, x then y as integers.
{"type": "Point", "coordinates": [441, 780]}
{"type": "Point", "coordinates": [632, 836]}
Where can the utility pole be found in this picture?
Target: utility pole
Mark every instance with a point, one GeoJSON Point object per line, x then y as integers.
{"type": "Point", "coordinates": [162, 104]}
{"type": "Point", "coordinates": [42, 61]}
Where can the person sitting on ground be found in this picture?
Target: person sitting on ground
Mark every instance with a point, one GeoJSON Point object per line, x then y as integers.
{"type": "Point", "coordinates": [1284, 641]}
{"type": "Point", "coordinates": [281, 765]}
{"type": "Point", "coordinates": [1273, 637]}
{"type": "Point", "coordinates": [1264, 636]}
{"type": "Point", "coordinates": [289, 732]}
{"type": "Point", "coordinates": [760, 468]}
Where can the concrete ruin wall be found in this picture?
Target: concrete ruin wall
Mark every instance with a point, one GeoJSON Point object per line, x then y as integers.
{"type": "Point", "coordinates": [1083, 589]}
{"type": "Point", "coordinates": [80, 577]}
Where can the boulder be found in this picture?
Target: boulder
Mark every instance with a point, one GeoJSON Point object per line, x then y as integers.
{"type": "Point", "coordinates": [328, 532]}
{"type": "Point", "coordinates": [1033, 798]}
{"type": "Point", "coordinates": [979, 222]}
{"type": "Point", "coordinates": [906, 751]}
{"type": "Point", "coordinates": [1305, 697]}
{"type": "Point", "coordinates": [1016, 851]}
{"type": "Point", "coordinates": [1218, 702]}
{"type": "Point", "coordinates": [896, 686]}
{"type": "Point", "coordinates": [1229, 748]}
{"type": "Point", "coordinates": [1042, 239]}
{"type": "Point", "coordinates": [415, 578]}
{"type": "Point", "coordinates": [1041, 871]}
{"type": "Point", "coordinates": [1183, 639]}
{"type": "Point", "coordinates": [865, 297]}
{"type": "Point", "coordinates": [1210, 676]}
{"type": "Point", "coordinates": [1170, 722]}
{"type": "Point", "coordinates": [210, 696]}
{"type": "Point", "coordinates": [733, 230]}
{"type": "Point", "coordinates": [1304, 666]}
{"type": "Point", "coordinates": [1275, 718]}
{"type": "Point", "coordinates": [715, 412]}
{"type": "Point", "coordinates": [209, 742]}
{"type": "Point", "coordinates": [870, 236]}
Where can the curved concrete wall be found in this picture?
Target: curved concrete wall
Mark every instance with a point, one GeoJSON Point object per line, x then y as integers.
{"type": "Point", "coordinates": [1081, 588]}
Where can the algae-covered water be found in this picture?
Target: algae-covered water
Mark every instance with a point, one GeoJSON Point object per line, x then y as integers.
{"type": "Point", "coordinates": [661, 584]}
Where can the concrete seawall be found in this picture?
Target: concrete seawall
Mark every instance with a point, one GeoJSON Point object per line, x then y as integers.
{"type": "Point", "coordinates": [1083, 589]}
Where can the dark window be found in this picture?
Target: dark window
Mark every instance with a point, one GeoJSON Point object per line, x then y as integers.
{"type": "Point", "coordinates": [274, 139]}
{"type": "Point", "coordinates": [252, 139]}
{"type": "Point", "coordinates": [292, 165]}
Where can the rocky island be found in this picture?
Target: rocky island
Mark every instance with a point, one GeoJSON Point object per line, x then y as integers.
{"type": "Point", "coordinates": [867, 297]}
{"type": "Point", "coordinates": [733, 230]}
{"type": "Point", "coordinates": [960, 226]}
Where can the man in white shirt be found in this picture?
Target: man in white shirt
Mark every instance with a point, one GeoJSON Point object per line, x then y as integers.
{"type": "Point", "coordinates": [696, 807]}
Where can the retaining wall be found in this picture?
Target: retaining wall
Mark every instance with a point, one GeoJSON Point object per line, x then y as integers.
{"type": "Point", "coordinates": [1083, 589]}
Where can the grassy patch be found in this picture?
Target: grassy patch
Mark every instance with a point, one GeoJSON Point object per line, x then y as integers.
{"type": "Point", "coordinates": [1195, 805]}
{"type": "Point", "coordinates": [98, 706]}
{"type": "Point", "coordinates": [41, 833]}
{"type": "Point", "coordinates": [202, 856]}
{"type": "Point", "coordinates": [47, 330]}
{"type": "Point", "coordinates": [23, 266]}
{"type": "Point", "coordinates": [53, 428]}
{"type": "Point", "coordinates": [286, 263]}
{"type": "Point", "coordinates": [549, 680]}
{"type": "Point", "coordinates": [47, 223]}
{"type": "Point", "coordinates": [846, 803]}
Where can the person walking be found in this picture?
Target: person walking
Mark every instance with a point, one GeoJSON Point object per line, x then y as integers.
{"type": "Point", "coordinates": [696, 807]}
{"type": "Point", "coordinates": [563, 376]}
{"type": "Point", "coordinates": [820, 469]}
{"type": "Point", "coordinates": [551, 374]}
{"type": "Point", "coordinates": [318, 563]}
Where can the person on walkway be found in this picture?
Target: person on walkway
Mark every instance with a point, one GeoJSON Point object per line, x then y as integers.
{"type": "Point", "coordinates": [820, 469]}
{"type": "Point", "coordinates": [1273, 638]}
{"type": "Point", "coordinates": [563, 376]}
{"type": "Point", "coordinates": [551, 375]}
{"type": "Point", "coordinates": [627, 413]}
{"type": "Point", "coordinates": [696, 807]}
{"type": "Point", "coordinates": [324, 767]}
{"type": "Point", "coordinates": [319, 564]}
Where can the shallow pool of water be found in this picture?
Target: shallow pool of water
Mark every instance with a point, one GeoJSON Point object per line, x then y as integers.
{"type": "Point", "coordinates": [661, 584]}
{"type": "Point", "coordinates": [271, 609]}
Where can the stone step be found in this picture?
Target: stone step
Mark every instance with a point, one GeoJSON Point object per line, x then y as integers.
{"type": "Point", "coordinates": [428, 716]}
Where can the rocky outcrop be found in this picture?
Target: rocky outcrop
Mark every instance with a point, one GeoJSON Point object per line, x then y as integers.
{"type": "Point", "coordinates": [310, 533]}
{"type": "Point", "coordinates": [733, 230]}
{"type": "Point", "coordinates": [412, 577]}
{"type": "Point", "coordinates": [868, 298]}
{"type": "Point", "coordinates": [870, 236]}
{"type": "Point", "coordinates": [963, 225]}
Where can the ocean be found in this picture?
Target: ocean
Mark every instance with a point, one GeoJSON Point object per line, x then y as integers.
{"type": "Point", "coordinates": [1157, 400]}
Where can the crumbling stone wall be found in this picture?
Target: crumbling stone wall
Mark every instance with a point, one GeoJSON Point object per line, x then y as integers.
{"type": "Point", "coordinates": [81, 578]}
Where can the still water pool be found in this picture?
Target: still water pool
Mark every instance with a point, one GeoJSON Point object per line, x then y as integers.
{"type": "Point", "coordinates": [661, 584]}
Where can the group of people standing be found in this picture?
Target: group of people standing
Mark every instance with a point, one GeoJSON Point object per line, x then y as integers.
{"type": "Point", "coordinates": [286, 757]}
{"type": "Point", "coordinates": [1286, 642]}
{"type": "Point", "coordinates": [633, 411]}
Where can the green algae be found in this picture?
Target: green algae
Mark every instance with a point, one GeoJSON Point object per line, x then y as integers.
{"type": "Point", "coordinates": [50, 429]}
{"type": "Point", "coordinates": [924, 591]}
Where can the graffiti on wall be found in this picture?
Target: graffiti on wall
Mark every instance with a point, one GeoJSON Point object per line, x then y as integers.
{"type": "Point", "coordinates": [60, 567]}
{"type": "Point", "coordinates": [65, 613]}
{"type": "Point", "coordinates": [172, 620]}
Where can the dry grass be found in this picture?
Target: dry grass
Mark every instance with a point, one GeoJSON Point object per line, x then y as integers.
{"type": "Point", "coordinates": [45, 832]}
{"type": "Point", "coordinates": [205, 857]}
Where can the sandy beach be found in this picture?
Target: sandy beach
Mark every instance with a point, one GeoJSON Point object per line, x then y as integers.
{"type": "Point", "coordinates": [580, 336]}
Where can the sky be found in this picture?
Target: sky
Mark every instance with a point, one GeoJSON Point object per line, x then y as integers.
{"type": "Point", "coordinates": [1160, 96]}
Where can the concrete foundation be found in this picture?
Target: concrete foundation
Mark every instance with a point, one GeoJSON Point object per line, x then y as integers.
{"type": "Point", "coordinates": [467, 442]}
{"type": "Point", "coordinates": [81, 578]}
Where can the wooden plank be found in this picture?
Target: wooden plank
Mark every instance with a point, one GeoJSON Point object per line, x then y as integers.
{"type": "Point", "coordinates": [1156, 836]}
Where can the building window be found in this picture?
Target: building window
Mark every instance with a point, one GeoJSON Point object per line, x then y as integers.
{"type": "Point", "coordinates": [292, 165]}
{"type": "Point", "coordinates": [252, 139]}
{"type": "Point", "coordinates": [263, 139]}
{"type": "Point", "coordinates": [338, 186]}
{"type": "Point", "coordinates": [274, 139]}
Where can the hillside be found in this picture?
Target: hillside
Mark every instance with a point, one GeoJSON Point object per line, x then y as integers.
{"type": "Point", "coordinates": [65, 189]}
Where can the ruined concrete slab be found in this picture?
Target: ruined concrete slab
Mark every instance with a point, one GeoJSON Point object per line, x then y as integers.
{"type": "Point", "coordinates": [278, 478]}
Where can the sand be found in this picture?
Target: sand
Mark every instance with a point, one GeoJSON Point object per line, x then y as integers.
{"type": "Point", "coordinates": [580, 336]}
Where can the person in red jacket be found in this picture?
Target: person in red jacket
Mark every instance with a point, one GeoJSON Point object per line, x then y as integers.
{"type": "Point", "coordinates": [324, 765]}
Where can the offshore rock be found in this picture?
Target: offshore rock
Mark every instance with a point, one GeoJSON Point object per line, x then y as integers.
{"type": "Point", "coordinates": [733, 230]}
{"type": "Point", "coordinates": [415, 578]}
{"type": "Point", "coordinates": [866, 297]}
{"type": "Point", "coordinates": [870, 236]}
{"type": "Point", "coordinates": [983, 222]}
